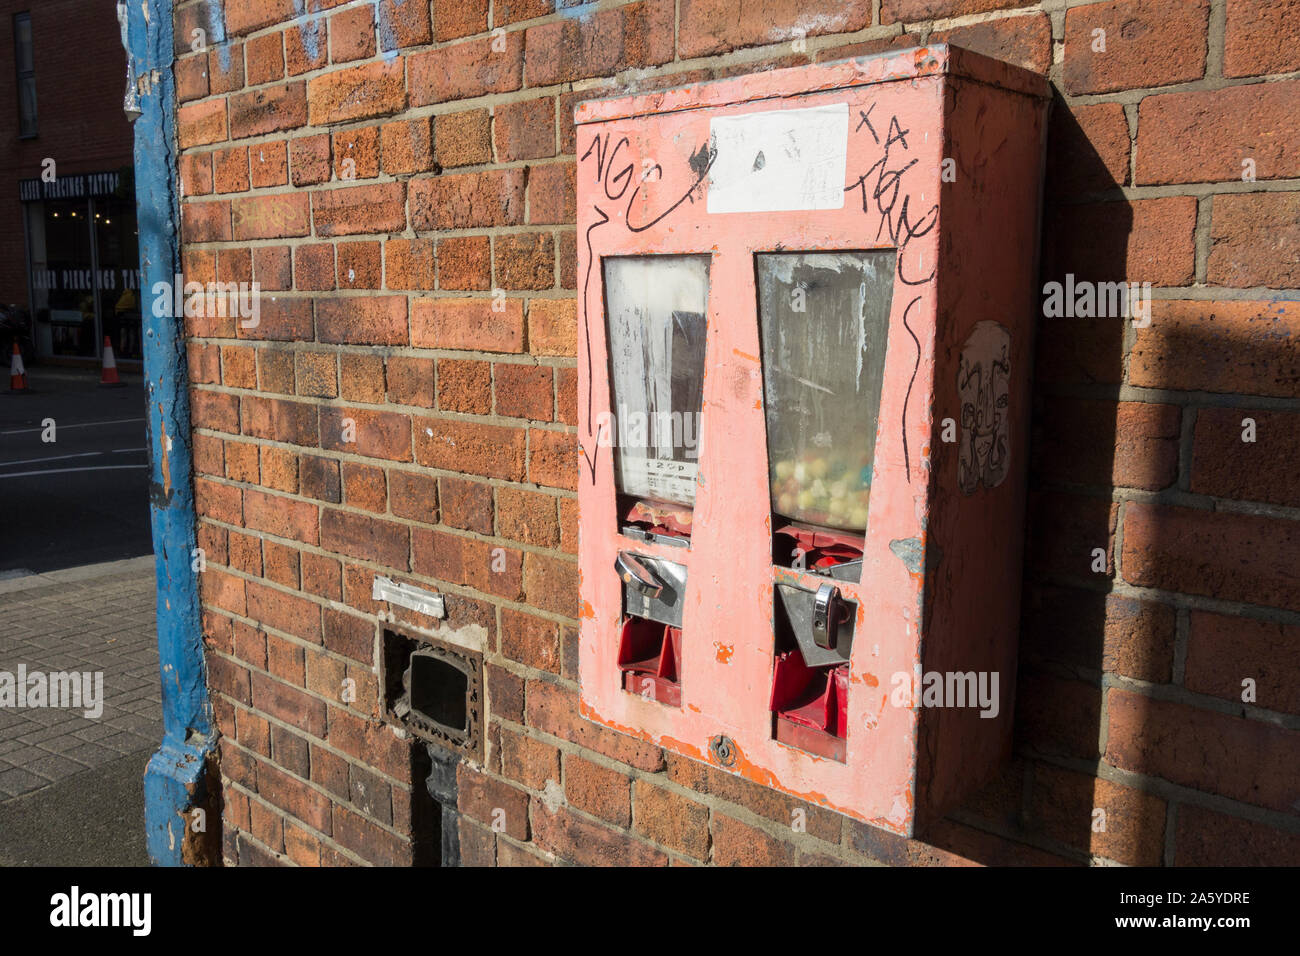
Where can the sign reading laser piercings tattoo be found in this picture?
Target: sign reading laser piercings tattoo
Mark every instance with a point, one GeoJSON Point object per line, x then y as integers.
{"type": "Point", "coordinates": [984, 385]}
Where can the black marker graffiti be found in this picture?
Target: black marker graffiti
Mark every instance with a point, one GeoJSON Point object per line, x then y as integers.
{"type": "Point", "coordinates": [614, 180]}
{"type": "Point", "coordinates": [882, 184]}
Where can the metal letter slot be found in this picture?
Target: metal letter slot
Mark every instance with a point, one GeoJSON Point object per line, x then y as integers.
{"type": "Point", "coordinates": [652, 587]}
{"type": "Point", "coordinates": [821, 622]}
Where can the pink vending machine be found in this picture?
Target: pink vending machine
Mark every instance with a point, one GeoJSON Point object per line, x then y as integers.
{"type": "Point", "coordinates": [807, 304]}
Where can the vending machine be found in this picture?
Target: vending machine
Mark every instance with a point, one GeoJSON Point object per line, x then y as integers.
{"type": "Point", "coordinates": [806, 322]}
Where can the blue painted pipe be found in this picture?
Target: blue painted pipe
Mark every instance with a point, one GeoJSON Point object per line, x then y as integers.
{"type": "Point", "coordinates": [175, 782]}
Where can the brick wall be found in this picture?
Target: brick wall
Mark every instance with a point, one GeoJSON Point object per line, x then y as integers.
{"type": "Point", "coordinates": [80, 123]}
{"type": "Point", "coordinates": [386, 170]}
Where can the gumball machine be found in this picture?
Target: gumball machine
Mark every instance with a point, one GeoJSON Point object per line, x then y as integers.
{"type": "Point", "coordinates": [806, 302]}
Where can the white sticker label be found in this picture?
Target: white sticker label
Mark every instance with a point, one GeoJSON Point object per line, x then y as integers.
{"type": "Point", "coordinates": [780, 160]}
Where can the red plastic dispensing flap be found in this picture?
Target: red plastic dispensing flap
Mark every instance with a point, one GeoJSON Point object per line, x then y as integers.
{"type": "Point", "coordinates": [811, 705]}
{"type": "Point", "coordinates": [648, 653]}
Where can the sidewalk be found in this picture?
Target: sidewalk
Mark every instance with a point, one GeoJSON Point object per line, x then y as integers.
{"type": "Point", "coordinates": [71, 785]}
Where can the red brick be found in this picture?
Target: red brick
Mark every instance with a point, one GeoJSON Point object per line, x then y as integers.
{"type": "Point", "coordinates": [524, 130]}
{"type": "Point", "coordinates": [1242, 759]}
{"type": "Point", "coordinates": [1063, 807]}
{"type": "Point", "coordinates": [529, 761]}
{"type": "Point", "coordinates": [1260, 37]}
{"type": "Point", "coordinates": [554, 710]}
{"type": "Point", "coordinates": [364, 486]}
{"type": "Point", "coordinates": [739, 844]}
{"type": "Point", "coordinates": [413, 496]}
{"type": "Point", "coordinates": [271, 217]}
{"type": "Point", "coordinates": [306, 46]}
{"type": "Point", "coordinates": [362, 320]}
{"type": "Point", "coordinates": [1089, 149]}
{"type": "Point", "coordinates": [1024, 41]}
{"type": "Point", "coordinates": [1147, 240]}
{"type": "Point", "coordinates": [553, 458]}
{"type": "Point", "coordinates": [361, 377]}
{"type": "Point", "coordinates": [282, 517]}
{"type": "Point", "coordinates": [494, 197]}
{"type": "Point", "coordinates": [1232, 557]}
{"type": "Point", "coordinates": [492, 802]}
{"type": "Point", "coordinates": [716, 26]}
{"type": "Point", "coordinates": [1058, 716]}
{"type": "Point", "coordinates": [409, 264]}
{"type": "Point", "coordinates": [1224, 651]}
{"type": "Point", "coordinates": [465, 386]}
{"type": "Point", "coordinates": [411, 381]}
{"type": "Point", "coordinates": [1096, 631]}
{"type": "Point", "coordinates": [466, 504]}
{"type": "Point", "coordinates": [367, 538]}
{"type": "Point", "coordinates": [530, 640]}
{"type": "Point", "coordinates": [352, 34]}
{"type": "Point", "coordinates": [1255, 240]}
{"type": "Point", "coordinates": [239, 367]}
{"type": "Point", "coordinates": [602, 44]}
{"type": "Point", "coordinates": [378, 434]}
{"type": "Point", "coordinates": [196, 174]}
{"type": "Point", "coordinates": [359, 92]}
{"type": "Point", "coordinates": [407, 146]}
{"type": "Point", "coordinates": [313, 266]}
{"type": "Point", "coordinates": [270, 164]}
{"type": "Point", "coordinates": [553, 327]}
{"type": "Point", "coordinates": [1225, 466]}
{"type": "Point", "coordinates": [1147, 43]}
{"type": "Point", "coordinates": [1205, 838]}
{"type": "Point", "coordinates": [215, 410]}
{"type": "Point", "coordinates": [200, 123]}
{"type": "Point", "coordinates": [226, 68]}
{"type": "Point", "coordinates": [580, 841]}
{"type": "Point", "coordinates": [360, 265]}
{"type": "Point", "coordinates": [524, 391]}
{"type": "Point", "coordinates": [463, 139]}
{"type": "Point", "coordinates": [1203, 136]}
{"type": "Point", "coordinates": [351, 210]}
{"type": "Point", "coordinates": [191, 78]}
{"type": "Point", "coordinates": [671, 820]}
{"type": "Point", "coordinates": [356, 153]}
{"type": "Point", "coordinates": [465, 263]}
{"type": "Point", "coordinates": [552, 194]}
{"type": "Point", "coordinates": [566, 396]}
{"type": "Point", "coordinates": [268, 110]}
{"type": "Point", "coordinates": [309, 159]}
{"type": "Point", "coordinates": [264, 58]}
{"type": "Point", "coordinates": [401, 24]}
{"type": "Point", "coordinates": [459, 18]}
{"type": "Point", "coordinates": [469, 324]}
{"type": "Point", "coordinates": [246, 16]}
{"type": "Point", "coordinates": [1132, 444]}
{"type": "Point", "coordinates": [1246, 347]}
{"type": "Point", "coordinates": [464, 70]}
{"type": "Point", "coordinates": [525, 261]}
{"type": "Point", "coordinates": [598, 790]}
{"type": "Point", "coordinates": [468, 562]}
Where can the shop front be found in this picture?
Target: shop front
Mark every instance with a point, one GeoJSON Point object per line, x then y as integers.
{"type": "Point", "coordinates": [82, 265]}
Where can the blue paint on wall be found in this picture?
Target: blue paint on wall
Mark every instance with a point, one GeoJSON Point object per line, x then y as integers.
{"type": "Point", "coordinates": [175, 779]}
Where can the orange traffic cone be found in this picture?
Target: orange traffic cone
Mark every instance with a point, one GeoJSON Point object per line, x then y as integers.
{"type": "Point", "coordinates": [17, 372]}
{"type": "Point", "coordinates": [109, 374]}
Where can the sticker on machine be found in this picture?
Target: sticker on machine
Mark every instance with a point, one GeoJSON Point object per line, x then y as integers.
{"type": "Point", "coordinates": [779, 160]}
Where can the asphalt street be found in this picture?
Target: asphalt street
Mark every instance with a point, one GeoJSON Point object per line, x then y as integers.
{"type": "Point", "coordinates": [81, 498]}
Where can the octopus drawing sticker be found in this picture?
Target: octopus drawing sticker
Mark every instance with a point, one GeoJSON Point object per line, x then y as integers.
{"type": "Point", "coordinates": [983, 385]}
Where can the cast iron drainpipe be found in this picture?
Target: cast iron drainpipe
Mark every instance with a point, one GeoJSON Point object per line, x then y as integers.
{"type": "Point", "coordinates": [182, 815]}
